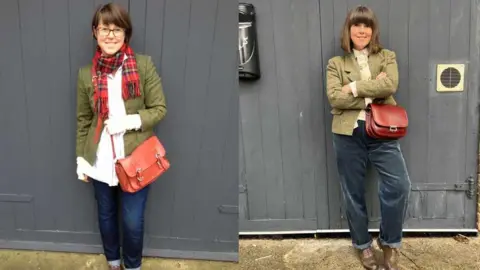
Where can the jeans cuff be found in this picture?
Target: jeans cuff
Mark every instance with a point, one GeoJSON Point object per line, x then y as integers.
{"type": "Point", "coordinates": [114, 263]}
{"type": "Point", "coordinates": [390, 245]}
{"type": "Point", "coordinates": [363, 246]}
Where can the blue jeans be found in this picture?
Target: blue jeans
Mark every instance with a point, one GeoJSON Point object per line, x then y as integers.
{"type": "Point", "coordinates": [132, 212]}
{"type": "Point", "coordinates": [353, 153]}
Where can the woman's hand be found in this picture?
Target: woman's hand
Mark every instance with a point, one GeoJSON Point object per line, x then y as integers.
{"type": "Point", "coordinates": [81, 165]}
{"type": "Point", "coordinates": [346, 89]}
{"type": "Point", "coordinates": [381, 75]}
{"type": "Point", "coordinates": [122, 124]}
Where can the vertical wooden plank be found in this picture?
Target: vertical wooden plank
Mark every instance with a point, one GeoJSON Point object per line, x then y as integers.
{"type": "Point", "coordinates": [229, 226]}
{"type": "Point", "coordinates": [138, 15]}
{"type": "Point", "coordinates": [57, 37]}
{"type": "Point", "coordinates": [152, 36]}
{"type": "Point", "coordinates": [228, 223]}
{"type": "Point", "coordinates": [305, 110]}
{"type": "Point", "coordinates": [471, 153]}
{"type": "Point", "coordinates": [288, 112]}
{"type": "Point", "coordinates": [456, 147]}
{"type": "Point", "coordinates": [80, 41]}
{"type": "Point", "coordinates": [218, 111]}
{"type": "Point", "coordinates": [15, 142]}
{"type": "Point", "coordinates": [254, 161]}
{"type": "Point", "coordinates": [251, 123]}
{"type": "Point", "coordinates": [271, 184]}
{"type": "Point", "coordinates": [316, 104]}
{"type": "Point", "coordinates": [243, 211]}
{"type": "Point", "coordinates": [154, 17]}
{"type": "Point", "coordinates": [381, 9]}
{"type": "Point", "coordinates": [439, 24]}
{"type": "Point", "coordinates": [340, 10]}
{"type": "Point", "coordinates": [201, 33]}
{"type": "Point", "coordinates": [418, 85]}
{"type": "Point", "coordinates": [37, 104]}
{"type": "Point", "coordinates": [329, 44]}
{"type": "Point", "coordinates": [175, 42]}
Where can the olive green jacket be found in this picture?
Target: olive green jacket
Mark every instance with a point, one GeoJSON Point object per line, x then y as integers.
{"type": "Point", "coordinates": [342, 70]}
{"type": "Point", "coordinates": [150, 106]}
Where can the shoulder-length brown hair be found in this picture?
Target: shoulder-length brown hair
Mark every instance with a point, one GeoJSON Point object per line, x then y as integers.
{"type": "Point", "coordinates": [359, 15]}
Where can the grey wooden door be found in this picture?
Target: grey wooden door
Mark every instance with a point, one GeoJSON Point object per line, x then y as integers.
{"type": "Point", "coordinates": [192, 209]}
{"type": "Point", "coordinates": [285, 116]}
{"type": "Point", "coordinates": [440, 148]}
{"type": "Point", "coordinates": [282, 144]}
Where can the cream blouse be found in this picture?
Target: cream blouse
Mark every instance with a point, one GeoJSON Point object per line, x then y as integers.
{"type": "Point", "coordinates": [365, 75]}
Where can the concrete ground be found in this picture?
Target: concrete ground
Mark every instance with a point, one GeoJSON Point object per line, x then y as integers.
{"type": "Point", "coordinates": [417, 253]}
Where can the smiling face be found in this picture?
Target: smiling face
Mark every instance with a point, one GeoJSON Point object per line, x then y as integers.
{"type": "Point", "coordinates": [360, 31]}
{"type": "Point", "coordinates": [361, 35]}
{"type": "Point", "coordinates": [111, 27]}
{"type": "Point", "coordinates": [110, 38]}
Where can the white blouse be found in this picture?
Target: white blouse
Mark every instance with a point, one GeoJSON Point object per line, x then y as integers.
{"type": "Point", "coordinates": [104, 168]}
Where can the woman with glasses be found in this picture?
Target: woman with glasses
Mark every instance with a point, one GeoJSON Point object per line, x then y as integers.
{"type": "Point", "coordinates": [367, 73]}
{"type": "Point", "coordinates": [119, 101]}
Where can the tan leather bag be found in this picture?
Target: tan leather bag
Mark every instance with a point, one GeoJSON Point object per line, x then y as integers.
{"type": "Point", "coordinates": [146, 163]}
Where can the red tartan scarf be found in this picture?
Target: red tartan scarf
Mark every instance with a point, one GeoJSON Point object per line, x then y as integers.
{"type": "Point", "coordinates": [104, 65]}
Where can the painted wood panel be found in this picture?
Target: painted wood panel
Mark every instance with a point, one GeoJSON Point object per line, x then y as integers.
{"type": "Point", "coordinates": [282, 129]}
{"type": "Point", "coordinates": [192, 209]}
{"type": "Point", "coordinates": [440, 148]}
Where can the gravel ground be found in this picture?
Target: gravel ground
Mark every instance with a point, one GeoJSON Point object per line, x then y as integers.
{"type": "Point", "coordinates": [417, 253]}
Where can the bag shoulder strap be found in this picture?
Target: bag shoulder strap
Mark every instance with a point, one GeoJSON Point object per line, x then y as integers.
{"type": "Point", "coordinates": [113, 147]}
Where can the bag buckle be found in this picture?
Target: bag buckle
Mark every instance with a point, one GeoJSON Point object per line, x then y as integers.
{"type": "Point", "coordinates": [393, 129]}
{"type": "Point", "coordinates": [139, 175]}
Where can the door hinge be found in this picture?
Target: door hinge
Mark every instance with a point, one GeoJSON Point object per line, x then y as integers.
{"type": "Point", "coordinates": [242, 188]}
{"type": "Point", "coordinates": [468, 186]}
{"type": "Point", "coordinates": [472, 188]}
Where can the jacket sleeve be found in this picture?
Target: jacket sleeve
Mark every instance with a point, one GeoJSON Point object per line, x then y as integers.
{"type": "Point", "coordinates": [84, 115]}
{"type": "Point", "coordinates": [384, 87]}
{"type": "Point", "coordinates": [336, 97]}
{"type": "Point", "coordinates": [155, 106]}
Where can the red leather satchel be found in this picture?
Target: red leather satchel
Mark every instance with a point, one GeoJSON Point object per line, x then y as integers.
{"type": "Point", "coordinates": [146, 163]}
{"type": "Point", "coordinates": [385, 121]}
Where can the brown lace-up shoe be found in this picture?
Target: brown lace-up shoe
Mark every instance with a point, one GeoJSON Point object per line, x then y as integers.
{"type": "Point", "coordinates": [114, 267]}
{"type": "Point", "coordinates": [391, 256]}
{"type": "Point", "coordinates": [367, 257]}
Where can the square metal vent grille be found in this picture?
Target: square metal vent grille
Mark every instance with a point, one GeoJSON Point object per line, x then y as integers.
{"type": "Point", "coordinates": [450, 77]}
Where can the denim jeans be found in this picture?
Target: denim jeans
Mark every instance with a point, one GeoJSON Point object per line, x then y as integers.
{"type": "Point", "coordinates": [132, 212]}
{"type": "Point", "coordinates": [352, 154]}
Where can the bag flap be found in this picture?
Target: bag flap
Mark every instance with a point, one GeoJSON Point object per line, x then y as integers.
{"type": "Point", "coordinates": [144, 156]}
{"type": "Point", "coordinates": [387, 115]}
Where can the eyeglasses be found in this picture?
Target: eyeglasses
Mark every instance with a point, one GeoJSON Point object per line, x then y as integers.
{"type": "Point", "coordinates": [117, 32]}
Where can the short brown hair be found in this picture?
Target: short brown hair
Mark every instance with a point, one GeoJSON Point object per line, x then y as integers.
{"type": "Point", "coordinates": [359, 15]}
{"type": "Point", "coordinates": [113, 14]}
